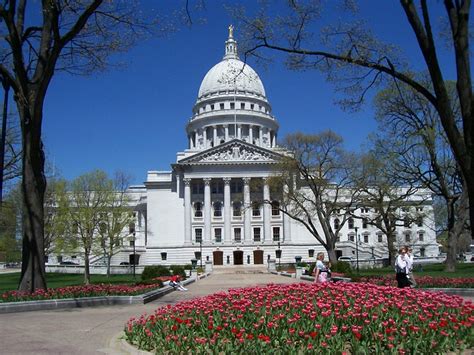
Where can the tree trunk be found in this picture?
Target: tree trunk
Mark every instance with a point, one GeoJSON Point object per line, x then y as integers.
{"type": "Point", "coordinates": [109, 259]}
{"type": "Point", "coordinates": [452, 238]}
{"type": "Point", "coordinates": [33, 188]}
{"type": "Point", "coordinates": [87, 276]}
{"type": "Point", "coordinates": [392, 251]}
{"type": "Point", "coordinates": [332, 254]}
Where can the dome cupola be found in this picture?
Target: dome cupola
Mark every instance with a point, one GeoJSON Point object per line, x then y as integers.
{"type": "Point", "coordinates": [231, 104]}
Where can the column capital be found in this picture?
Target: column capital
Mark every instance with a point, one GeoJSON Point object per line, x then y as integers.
{"type": "Point", "coordinates": [265, 179]}
{"type": "Point", "coordinates": [226, 180]}
{"type": "Point", "coordinates": [207, 181]}
{"type": "Point", "coordinates": [246, 180]}
{"type": "Point", "coordinates": [187, 181]}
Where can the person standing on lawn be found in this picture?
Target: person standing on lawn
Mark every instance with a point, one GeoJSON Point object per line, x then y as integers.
{"type": "Point", "coordinates": [321, 273]}
{"type": "Point", "coordinates": [410, 260]}
{"type": "Point", "coordinates": [401, 268]}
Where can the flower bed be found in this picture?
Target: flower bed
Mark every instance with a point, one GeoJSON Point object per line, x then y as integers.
{"type": "Point", "coordinates": [333, 318]}
{"type": "Point", "coordinates": [77, 292]}
{"type": "Point", "coordinates": [421, 281]}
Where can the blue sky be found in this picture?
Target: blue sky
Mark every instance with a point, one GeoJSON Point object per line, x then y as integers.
{"type": "Point", "coordinates": [133, 119]}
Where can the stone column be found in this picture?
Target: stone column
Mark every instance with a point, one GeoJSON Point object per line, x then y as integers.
{"type": "Point", "coordinates": [214, 135]}
{"type": "Point", "coordinates": [207, 209]}
{"type": "Point", "coordinates": [187, 211]}
{"type": "Point", "coordinates": [250, 134]}
{"type": "Point", "coordinates": [286, 220]}
{"type": "Point", "coordinates": [227, 211]}
{"type": "Point", "coordinates": [204, 137]}
{"type": "Point", "coordinates": [226, 129]}
{"type": "Point", "coordinates": [266, 211]}
{"type": "Point", "coordinates": [248, 211]}
{"type": "Point", "coordinates": [239, 131]}
{"type": "Point", "coordinates": [260, 136]}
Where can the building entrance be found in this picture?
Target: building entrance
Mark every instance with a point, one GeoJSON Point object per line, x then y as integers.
{"type": "Point", "coordinates": [258, 257]}
{"type": "Point", "coordinates": [238, 257]}
{"type": "Point", "coordinates": [218, 257]}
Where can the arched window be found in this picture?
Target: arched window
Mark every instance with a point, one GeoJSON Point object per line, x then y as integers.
{"type": "Point", "coordinates": [256, 209]}
{"type": "Point", "coordinates": [217, 209]}
{"type": "Point", "coordinates": [197, 209]}
{"type": "Point", "coordinates": [237, 209]}
{"type": "Point", "coordinates": [350, 223]}
{"type": "Point", "coordinates": [337, 224]}
{"type": "Point", "coordinates": [275, 208]}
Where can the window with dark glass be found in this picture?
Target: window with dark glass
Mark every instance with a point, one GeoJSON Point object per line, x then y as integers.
{"type": "Point", "coordinates": [221, 106]}
{"type": "Point", "coordinates": [197, 209]}
{"type": "Point", "coordinates": [164, 256]}
{"type": "Point", "coordinates": [366, 238]}
{"type": "Point", "coordinates": [255, 209]}
{"type": "Point", "coordinates": [256, 234]}
{"type": "Point", "coordinates": [131, 228]}
{"type": "Point", "coordinates": [351, 237]}
{"type": "Point", "coordinates": [276, 234]}
{"type": "Point", "coordinates": [419, 221]}
{"type": "Point", "coordinates": [242, 106]}
{"type": "Point", "coordinates": [218, 235]}
{"type": "Point", "coordinates": [232, 105]}
{"type": "Point", "coordinates": [364, 223]}
{"type": "Point", "coordinates": [310, 253]}
{"type": "Point", "coordinates": [275, 208]}
{"type": "Point", "coordinates": [379, 238]}
{"type": "Point", "coordinates": [217, 209]}
{"type": "Point", "coordinates": [198, 235]}
{"type": "Point", "coordinates": [421, 237]}
{"type": "Point", "coordinates": [407, 237]}
{"type": "Point", "coordinates": [197, 187]}
{"type": "Point", "coordinates": [336, 224]}
{"type": "Point", "coordinates": [235, 186]}
{"type": "Point", "coordinates": [217, 187]}
{"type": "Point", "coordinates": [422, 252]}
{"type": "Point", "coordinates": [237, 209]}
{"type": "Point", "coordinates": [237, 235]}
{"type": "Point", "coordinates": [350, 223]}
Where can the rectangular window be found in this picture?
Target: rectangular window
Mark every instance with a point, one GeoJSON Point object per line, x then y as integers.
{"type": "Point", "coordinates": [422, 252]}
{"type": "Point", "coordinates": [218, 235]}
{"type": "Point", "coordinates": [164, 256]}
{"type": "Point", "coordinates": [132, 243]}
{"type": "Point", "coordinates": [198, 235]}
{"type": "Point", "coordinates": [366, 238]}
{"type": "Point", "coordinates": [198, 188]}
{"type": "Point", "coordinates": [242, 106]}
{"type": "Point", "coordinates": [351, 237]}
{"type": "Point", "coordinates": [419, 221]}
{"type": "Point", "coordinates": [421, 237]}
{"type": "Point", "coordinates": [235, 187]}
{"type": "Point", "coordinates": [256, 209]}
{"type": "Point", "coordinates": [221, 106]}
{"type": "Point", "coordinates": [252, 106]}
{"type": "Point", "coordinates": [364, 223]}
{"type": "Point", "coordinates": [197, 255]}
{"type": "Point", "coordinates": [237, 235]}
{"type": "Point", "coordinates": [379, 237]}
{"type": "Point", "coordinates": [310, 253]}
{"type": "Point", "coordinates": [212, 107]}
{"type": "Point", "coordinates": [232, 105]}
{"type": "Point", "coordinates": [407, 238]}
{"type": "Point", "coordinates": [276, 234]}
{"type": "Point", "coordinates": [256, 234]}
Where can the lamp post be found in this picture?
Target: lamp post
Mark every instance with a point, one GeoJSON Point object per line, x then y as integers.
{"type": "Point", "coordinates": [357, 248]}
{"type": "Point", "coordinates": [134, 254]}
{"type": "Point", "coordinates": [278, 255]}
{"type": "Point", "coordinates": [200, 251]}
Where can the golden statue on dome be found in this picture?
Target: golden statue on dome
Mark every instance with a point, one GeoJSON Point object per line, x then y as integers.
{"type": "Point", "coordinates": [231, 31]}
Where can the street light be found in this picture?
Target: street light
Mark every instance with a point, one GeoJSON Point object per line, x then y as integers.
{"type": "Point", "coordinates": [133, 239]}
{"type": "Point", "coordinates": [200, 251]}
{"type": "Point", "coordinates": [357, 248]}
{"type": "Point", "coordinates": [278, 255]}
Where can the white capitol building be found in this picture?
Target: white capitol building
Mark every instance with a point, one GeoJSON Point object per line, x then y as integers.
{"type": "Point", "coordinates": [210, 204]}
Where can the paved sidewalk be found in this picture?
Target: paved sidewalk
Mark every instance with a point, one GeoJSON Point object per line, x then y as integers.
{"type": "Point", "coordinates": [91, 330]}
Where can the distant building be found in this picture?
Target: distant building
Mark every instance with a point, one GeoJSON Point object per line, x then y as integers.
{"type": "Point", "coordinates": [209, 205]}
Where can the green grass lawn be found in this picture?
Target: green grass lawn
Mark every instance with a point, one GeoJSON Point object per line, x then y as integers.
{"type": "Point", "coordinates": [9, 282]}
{"type": "Point", "coordinates": [435, 270]}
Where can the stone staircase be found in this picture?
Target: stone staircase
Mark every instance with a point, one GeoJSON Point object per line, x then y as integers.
{"type": "Point", "coordinates": [240, 269]}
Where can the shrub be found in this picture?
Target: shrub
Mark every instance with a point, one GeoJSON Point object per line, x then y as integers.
{"type": "Point", "coordinates": [152, 271]}
{"type": "Point", "coordinates": [178, 270]}
{"type": "Point", "coordinates": [188, 267]}
{"type": "Point", "coordinates": [342, 267]}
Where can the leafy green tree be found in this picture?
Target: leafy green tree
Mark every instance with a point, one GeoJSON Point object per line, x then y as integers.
{"type": "Point", "coordinates": [355, 60]}
{"type": "Point", "coordinates": [316, 180]}
{"type": "Point", "coordinates": [10, 226]}
{"type": "Point", "coordinates": [40, 38]}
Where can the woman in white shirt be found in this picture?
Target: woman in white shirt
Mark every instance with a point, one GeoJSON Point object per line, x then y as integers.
{"type": "Point", "coordinates": [401, 268]}
{"type": "Point", "coordinates": [321, 271]}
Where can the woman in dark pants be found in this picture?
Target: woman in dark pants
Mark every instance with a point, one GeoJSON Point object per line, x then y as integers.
{"type": "Point", "coordinates": [401, 268]}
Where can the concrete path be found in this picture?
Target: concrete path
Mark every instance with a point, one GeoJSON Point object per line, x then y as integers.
{"type": "Point", "coordinates": [92, 330]}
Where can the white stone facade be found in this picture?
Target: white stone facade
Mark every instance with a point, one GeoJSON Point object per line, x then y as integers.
{"type": "Point", "coordinates": [210, 203]}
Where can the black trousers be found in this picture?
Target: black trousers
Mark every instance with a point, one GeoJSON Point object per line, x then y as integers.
{"type": "Point", "coordinates": [402, 280]}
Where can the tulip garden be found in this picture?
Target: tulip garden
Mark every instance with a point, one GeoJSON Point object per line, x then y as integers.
{"type": "Point", "coordinates": [77, 291]}
{"type": "Point", "coordinates": [422, 281]}
{"type": "Point", "coordinates": [331, 318]}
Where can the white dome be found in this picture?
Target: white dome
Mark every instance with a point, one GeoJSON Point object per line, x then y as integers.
{"type": "Point", "coordinates": [231, 74]}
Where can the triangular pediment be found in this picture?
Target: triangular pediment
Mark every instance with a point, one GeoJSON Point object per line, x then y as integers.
{"type": "Point", "coordinates": [233, 152]}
